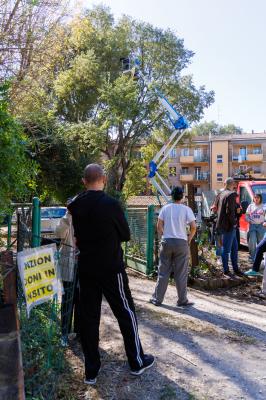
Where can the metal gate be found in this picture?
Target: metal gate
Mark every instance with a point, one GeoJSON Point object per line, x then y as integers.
{"type": "Point", "coordinates": [45, 332]}
{"type": "Point", "coordinates": [140, 252]}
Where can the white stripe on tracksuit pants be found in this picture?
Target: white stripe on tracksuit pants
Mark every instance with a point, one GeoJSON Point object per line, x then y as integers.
{"type": "Point", "coordinates": [114, 287]}
{"type": "Point", "coordinates": [132, 316]}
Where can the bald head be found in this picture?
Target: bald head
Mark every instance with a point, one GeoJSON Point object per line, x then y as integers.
{"type": "Point", "coordinates": [94, 176]}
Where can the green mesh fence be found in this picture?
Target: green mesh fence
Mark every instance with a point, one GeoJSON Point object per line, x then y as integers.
{"type": "Point", "coordinates": [137, 220]}
{"type": "Point", "coordinates": [140, 249]}
{"type": "Point", "coordinates": [157, 242]}
{"type": "Point", "coordinates": [1, 288]}
{"type": "Point", "coordinates": [45, 333]}
{"type": "Point", "coordinates": [5, 244]}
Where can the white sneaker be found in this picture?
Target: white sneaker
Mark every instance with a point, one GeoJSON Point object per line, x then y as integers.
{"type": "Point", "coordinates": [148, 362]}
{"type": "Point", "coordinates": [90, 381]}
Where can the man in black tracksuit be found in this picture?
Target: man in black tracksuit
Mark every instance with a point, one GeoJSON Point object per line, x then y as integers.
{"type": "Point", "coordinates": [100, 227]}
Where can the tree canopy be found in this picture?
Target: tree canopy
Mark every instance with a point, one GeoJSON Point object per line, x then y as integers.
{"type": "Point", "coordinates": [17, 171]}
{"type": "Point", "coordinates": [72, 98]}
{"type": "Point", "coordinates": [100, 109]}
{"type": "Point", "coordinates": [213, 128]}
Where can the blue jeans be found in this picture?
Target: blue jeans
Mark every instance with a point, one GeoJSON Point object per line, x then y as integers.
{"type": "Point", "coordinates": [261, 248]}
{"type": "Point", "coordinates": [230, 246]}
{"type": "Point", "coordinates": [256, 233]}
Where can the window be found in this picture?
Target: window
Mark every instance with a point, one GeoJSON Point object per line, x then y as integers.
{"type": "Point", "coordinates": [257, 150]}
{"type": "Point", "coordinates": [257, 170]}
{"type": "Point", "coordinates": [197, 190]}
{"type": "Point", "coordinates": [219, 177]}
{"type": "Point", "coordinates": [198, 155]}
{"type": "Point", "coordinates": [185, 152]}
{"type": "Point", "coordinates": [197, 152]}
{"type": "Point", "coordinates": [172, 171]}
{"type": "Point", "coordinates": [219, 158]}
{"type": "Point", "coordinates": [197, 172]}
{"type": "Point", "coordinates": [172, 153]}
{"type": "Point", "coordinates": [242, 154]}
{"type": "Point", "coordinates": [184, 170]}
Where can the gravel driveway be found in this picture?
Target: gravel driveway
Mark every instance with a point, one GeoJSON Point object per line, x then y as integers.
{"type": "Point", "coordinates": [213, 350]}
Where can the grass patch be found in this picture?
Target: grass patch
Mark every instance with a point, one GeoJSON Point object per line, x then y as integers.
{"type": "Point", "coordinates": [191, 325]}
{"type": "Point", "coordinates": [168, 393]}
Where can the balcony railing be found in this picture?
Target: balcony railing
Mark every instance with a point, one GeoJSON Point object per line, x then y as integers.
{"type": "Point", "coordinates": [257, 151]}
{"type": "Point", "coordinates": [247, 157]}
{"type": "Point", "coordinates": [186, 176]}
{"type": "Point", "coordinates": [190, 158]}
{"type": "Point", "coordinates": [239, 158]}
{"type": "Point", "coordinates": [203, 176]}
{"type": "Point", "coordinates": [201, 158]}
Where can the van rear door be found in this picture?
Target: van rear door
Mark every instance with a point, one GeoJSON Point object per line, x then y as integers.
{"type": "Point", "coordinates": [245, 198]}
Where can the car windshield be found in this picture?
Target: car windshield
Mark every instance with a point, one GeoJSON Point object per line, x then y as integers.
{"type": "Point", "coordinates": [260, 189]}
{"type": "Point", "coordinates": [56, 212]}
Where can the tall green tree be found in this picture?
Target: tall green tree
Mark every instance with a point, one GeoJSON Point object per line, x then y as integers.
{"type": "Point", "coordinates": [17, 171]}
{"type": "Point", "coordinates": [118, 110]}
{"type": "Point", "coordinates": [26, 34]}
{"type": "Point", "coordinates": [213, 128]}
{"type": "Point", "coordinates": [101, 109]}
{"type": "Point", "coordinates": [61, 162]}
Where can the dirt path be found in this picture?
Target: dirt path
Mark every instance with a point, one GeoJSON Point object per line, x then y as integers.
{"type": "Point", "coordinates": [214, 350]}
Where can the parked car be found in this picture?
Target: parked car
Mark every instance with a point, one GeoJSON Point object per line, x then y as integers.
{"type": "Point", "coordinates": [50, 218]}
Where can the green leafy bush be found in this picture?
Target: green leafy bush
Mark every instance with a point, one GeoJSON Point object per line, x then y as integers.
{"type": "Point", "coordinates": [17, 170]}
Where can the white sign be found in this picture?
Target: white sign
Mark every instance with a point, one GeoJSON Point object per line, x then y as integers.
{"type": "Point", "coordinates": [38, 273]}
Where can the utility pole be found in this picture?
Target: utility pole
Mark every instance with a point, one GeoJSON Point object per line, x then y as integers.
{"type": "Point", "coordinates": [193, 244]}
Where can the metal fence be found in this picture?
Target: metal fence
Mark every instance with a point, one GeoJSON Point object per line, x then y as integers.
{"type": "Point", "coordinates": [45, 333]}
{"type": "Point", "coordinates": [141, 251]}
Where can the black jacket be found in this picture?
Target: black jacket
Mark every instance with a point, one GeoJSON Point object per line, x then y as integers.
{"type": "Point", "coordinates": [99, 227]}
{"type": "Point", "coordinates": [226, 212]}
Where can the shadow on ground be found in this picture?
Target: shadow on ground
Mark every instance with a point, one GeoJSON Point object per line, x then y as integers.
{"type": "Point", "coordinates": [115, 382]}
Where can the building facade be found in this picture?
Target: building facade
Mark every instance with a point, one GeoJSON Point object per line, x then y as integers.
{"type": "Point", "coordinates": [207, 161]}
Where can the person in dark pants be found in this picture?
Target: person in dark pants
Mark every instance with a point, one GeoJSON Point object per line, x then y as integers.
{"type": "Point", "coordinates": [99, 227]}
{"type": "Point", "coordinates": [174, 250]}
{"type": "Point", "coordinates": [238, 215]}
{"type": "Point", "coordinates": [260, 249]}
{"type": "Point", "coordinates": [226, 225]}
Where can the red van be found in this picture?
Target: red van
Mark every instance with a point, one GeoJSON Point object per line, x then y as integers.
{"type": "Point", "coordinates": [246, 190]}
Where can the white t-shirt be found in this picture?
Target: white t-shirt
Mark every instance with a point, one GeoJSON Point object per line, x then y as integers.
{"type": "Point", "coordinates": [256, 214]}
{"type": "Point", "coordinates": [175, 218]}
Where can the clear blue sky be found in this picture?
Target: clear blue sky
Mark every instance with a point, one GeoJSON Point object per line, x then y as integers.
{"type": "Point", "coordinates": [228, 38]}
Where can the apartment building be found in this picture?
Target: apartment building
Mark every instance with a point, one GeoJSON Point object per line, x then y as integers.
{"type": "Point", "coordinates": [207, 161]}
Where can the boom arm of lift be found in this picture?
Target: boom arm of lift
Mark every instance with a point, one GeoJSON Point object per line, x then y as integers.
{"type": "Point", "coordinates": [179, 123]}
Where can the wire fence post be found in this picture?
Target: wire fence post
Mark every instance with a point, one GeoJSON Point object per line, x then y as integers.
{"type": "Point", "coordinates": [36, 223]}
{"type": "Point", "coordinates": [9, 281]}
{"type": "Point", "coordinates": [126, 243]}
{"type": "Point", "coordinates": [9, 220]}
{"type": "Point", "coordinates": [150, 239]}
{"type": "Point", "coordinates": [193, 244]}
